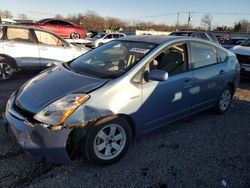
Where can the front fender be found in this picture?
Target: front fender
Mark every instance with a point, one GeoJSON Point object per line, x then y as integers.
{"type": "Point", "coordinates": [85, 114]}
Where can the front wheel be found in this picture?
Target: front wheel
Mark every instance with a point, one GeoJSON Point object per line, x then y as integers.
{"type": "Point", "coordinates": [224, 100]}
{"type": "Point", "coordinates": [107, 140]}
{"type": "Point", "coordinates": [6, 71]}
{"type": "Point", "coordinates": [75, 35]}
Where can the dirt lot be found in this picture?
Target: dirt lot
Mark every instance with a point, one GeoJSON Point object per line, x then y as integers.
{"type": "Point", "coordinates": [210, 151]}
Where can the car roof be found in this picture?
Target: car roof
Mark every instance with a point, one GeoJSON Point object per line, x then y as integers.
{"type": "Point", "coordinates": [155, 39]}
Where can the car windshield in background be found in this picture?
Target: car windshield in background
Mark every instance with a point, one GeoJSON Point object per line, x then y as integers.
{"type": "Point", "coordinates": [246, 43]}
{"type": "Point", "coordinates": [111, 60]}
{"type": "Point", "coordinates": [100, 35]}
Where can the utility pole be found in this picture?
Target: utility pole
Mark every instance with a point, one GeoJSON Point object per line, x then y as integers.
{"type": "Point", "coordinates": [189, 20]}
{"type": "Point", "coordinates": [177, 23]}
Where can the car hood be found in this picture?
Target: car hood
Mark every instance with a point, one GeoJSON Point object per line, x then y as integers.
{"type": "Point", "coordinates": [51, 85]}
{"type": "Point", "coordinates": [243, 50]}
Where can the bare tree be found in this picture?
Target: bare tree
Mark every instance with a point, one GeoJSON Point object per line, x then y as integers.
{"type": "Point", "coordinates": [206, 21]}
{"type": "Point", "coordinates": [5, 14]}
{"type": "Point", "coordinates": [22, 16]}
{"type": "Point", "coordinates": [58, 16]}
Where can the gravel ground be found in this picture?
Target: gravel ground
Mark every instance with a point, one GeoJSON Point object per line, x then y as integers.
{"type": "Point", "coordinates": [210, 151]}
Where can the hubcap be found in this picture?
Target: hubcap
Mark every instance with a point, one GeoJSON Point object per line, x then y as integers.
{"type": "Point", "coordinates": [109, 142]}
{"type": "Point", "coordinates": [75, 35]}
{"type": "Point", "coordinates": [5, 71]}
{"type": "Point", "coordinates": [225, 100]}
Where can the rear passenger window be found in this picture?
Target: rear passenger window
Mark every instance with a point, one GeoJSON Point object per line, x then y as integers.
{"type": "Point", "coordinates": [222, 55]}
{"type": "Point", "coordinates": [19, 35]}
{"type": "Point", "coordinates": [115, 35]}
{"type": "Point", "coordinates": [202, 54]}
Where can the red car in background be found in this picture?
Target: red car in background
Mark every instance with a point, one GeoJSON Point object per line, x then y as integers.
{"type": "Point", "coordinates": [63, 28]}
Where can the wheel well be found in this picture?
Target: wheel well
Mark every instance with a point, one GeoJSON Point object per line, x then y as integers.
{"type": "Point", "coordinates": [10, 59]}
{"type": "Point", "coordinates": [130, 122]}
{"type": "Point", "coordinates": [231, 85]}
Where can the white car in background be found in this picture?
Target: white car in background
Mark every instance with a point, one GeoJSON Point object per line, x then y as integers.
{"type": "Point", "coordinates": [242, 53]}
{"type": "Point", "coordinates": [23, 47]}
{"type": "Point", "coordinates": [102, 38]}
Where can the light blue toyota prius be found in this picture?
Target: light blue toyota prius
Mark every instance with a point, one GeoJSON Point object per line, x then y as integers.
{"type": "Point", "coordinates": [96, 104]}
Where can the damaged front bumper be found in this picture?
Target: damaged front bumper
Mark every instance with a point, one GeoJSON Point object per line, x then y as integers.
{"type": "Point", "coordinates": [39, 142]}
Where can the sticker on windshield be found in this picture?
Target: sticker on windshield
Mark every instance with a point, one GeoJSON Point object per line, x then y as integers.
{"type": "Point", "coordinates": [139, 50]}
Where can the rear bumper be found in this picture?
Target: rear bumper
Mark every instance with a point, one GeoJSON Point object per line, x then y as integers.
{"type": "Point", "coordinates": [39, 142]}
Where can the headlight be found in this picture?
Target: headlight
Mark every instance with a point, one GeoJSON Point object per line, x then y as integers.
{"type": "Point", "coordinates": [57, 112]}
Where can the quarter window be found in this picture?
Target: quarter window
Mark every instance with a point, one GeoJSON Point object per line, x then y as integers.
{"type": "Point", "coordinates": [48, 39]}
{"type": "Point", "coordinates": [202, 54]}
{"type": "Point", "coordinates": [19, 35]}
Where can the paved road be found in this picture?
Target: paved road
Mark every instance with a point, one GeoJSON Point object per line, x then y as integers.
{"type": "Point", "coordinates": [210, 151]}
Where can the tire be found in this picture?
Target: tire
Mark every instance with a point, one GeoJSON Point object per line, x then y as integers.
{"type": "Point", "coordinates": [74, 35]}
{"type": "Point", "coordinates": [7, 69]}
{"type": "Point", "coordinates": [224, 101]}
{"type": "Point", "coordinates": [107, 140]}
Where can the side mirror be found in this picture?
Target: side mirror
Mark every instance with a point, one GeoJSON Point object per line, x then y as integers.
{"type": "Point", "coordinates": [157, 75]}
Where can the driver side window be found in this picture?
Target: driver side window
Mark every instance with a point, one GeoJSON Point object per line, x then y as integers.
{"type": "Point", "coordinates": [172, 60]}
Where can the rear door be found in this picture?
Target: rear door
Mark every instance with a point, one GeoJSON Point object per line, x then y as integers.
{"type": "Point", "coordinates": [20, 44]}
{"type": "Point", "coordinates": [52, 49]}
{"type": "Point", "coordinates": [64, 28]}
{"type": "Point", "coordinates": [209, 74]}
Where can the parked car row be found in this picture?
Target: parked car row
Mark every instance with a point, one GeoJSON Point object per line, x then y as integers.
{"type": "Point", "coordinates": [27, 47]}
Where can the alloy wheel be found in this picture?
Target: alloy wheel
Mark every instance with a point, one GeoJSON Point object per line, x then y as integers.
{"type": "Point", "coordinates": [225, 99]}
{"type": "Point", "coordinates": [6, 71]}
{"type": "Point", "coordinates": [75, 35]}
{"type": "Point", "coordinates": [109, 142]}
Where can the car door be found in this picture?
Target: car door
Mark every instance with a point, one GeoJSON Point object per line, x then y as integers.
{"type": "Point", "coordinates": [20, 44]}
{"type": "Point", "coordinates": [209, 74]}
{"type": "Point", "coordinates": [64, 28]}
{"type": "Point", "coordinates": [165, 101]}
{"type": "Point", "coordinates": [52, 49]}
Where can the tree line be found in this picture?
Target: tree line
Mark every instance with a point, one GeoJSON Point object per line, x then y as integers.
{"type": "Point", "coordinates": [92, 21]}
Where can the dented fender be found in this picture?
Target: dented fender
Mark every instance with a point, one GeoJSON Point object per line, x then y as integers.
{"type": "Point", "coordinates": [85, 114]}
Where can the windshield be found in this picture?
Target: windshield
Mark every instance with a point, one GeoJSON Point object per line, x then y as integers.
{"type": "Point", "coordinates": [99, 35]}
{"type": "Point", "coordinates": [112, 59]}
{"type": "Point", "coordinates": [246, 43]}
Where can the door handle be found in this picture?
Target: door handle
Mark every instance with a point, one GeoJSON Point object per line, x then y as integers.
{"type": "Point", "coordinates": [188, 83]}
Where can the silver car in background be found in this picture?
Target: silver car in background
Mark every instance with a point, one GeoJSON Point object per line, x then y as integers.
{"type": "Point", "coordinates": [24, 47]}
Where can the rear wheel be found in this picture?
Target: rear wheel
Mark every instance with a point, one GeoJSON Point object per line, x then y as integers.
{"type": "Point", "coordinates": [107, 140]}
{"type": "Point", "coordinates": [6, 70]}
{"type": "Point", "coordinates": [224, 100]}
{"type": "Point", "coordinates": [75, 35]}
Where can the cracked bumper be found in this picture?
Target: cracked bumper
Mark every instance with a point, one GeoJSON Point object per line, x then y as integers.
{"type": "Point", "coordinates": [39, 142]}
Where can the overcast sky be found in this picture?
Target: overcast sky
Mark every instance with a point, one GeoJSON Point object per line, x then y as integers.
{"type": "Point", "coordinates": [224, 12]}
